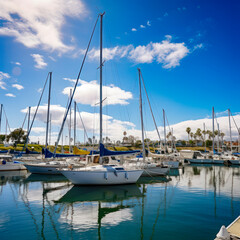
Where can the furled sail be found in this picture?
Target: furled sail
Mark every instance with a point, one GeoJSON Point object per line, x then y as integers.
{"type": "Point", "coordinates": [106, 152]}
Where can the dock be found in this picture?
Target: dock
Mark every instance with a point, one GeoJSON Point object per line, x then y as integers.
{"type": "Point", "coordinates": [232, 232]}
{"type": "Point", "coordinates": [234, 229]}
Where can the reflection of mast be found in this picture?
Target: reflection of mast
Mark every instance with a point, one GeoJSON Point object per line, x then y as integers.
{"type": "Point", "coordinates": [214, 187]}
{"type": "Point", "coordinates": [141, 229]}
{"type": "Point", "coordinates": [232, 194]}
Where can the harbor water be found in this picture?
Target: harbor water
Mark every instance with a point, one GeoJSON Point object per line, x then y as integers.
{"type": "Point", "coordinates": [191, 203]}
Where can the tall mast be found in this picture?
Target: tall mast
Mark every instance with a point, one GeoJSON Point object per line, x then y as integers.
{"type": "Point", "coordinates": [164, 123]}
{"type": "Point", "coordinates": [75, 121]}
{"type": "Point", "coordinates": [70, 124]}
{"type": "Point", "coordinates": [50, 129]}
{"type": "Point", "coordinates": [229, 114]}
{"type": "Point", "coordinates": [29, 112]}
{"type": "Point", "coordinates": [213, 128]}
{"type": "Point", "coordinates": [218, 137]}
{"type": "Point", "coordinates": [101, 63]}
{"type": "Point", "coordinates": [141, 114]}
{"type": "Point", "coordinates": [204, 137]}
{"type": "Point", "coordinates": [172, 140]}
{"type": "Point", "coordinates": [1, 116]}
{"type": "Point", "coordinates": [48, 110]}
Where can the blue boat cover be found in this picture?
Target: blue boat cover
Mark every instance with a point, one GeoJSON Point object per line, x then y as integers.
{"type": "Point", "coordinates": [31, 152]}
{"type": "Point", "coordinates": [3, 151]}
{"type": "Point", "coordinates": [106, 152]}
{"type": "Point", "coordinates": [49, 154]}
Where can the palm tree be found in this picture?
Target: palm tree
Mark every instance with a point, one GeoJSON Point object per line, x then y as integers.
{"type": "Point", "coordinates": [191, 135]}
{"type": "Point", "coordinates": [188, 130]}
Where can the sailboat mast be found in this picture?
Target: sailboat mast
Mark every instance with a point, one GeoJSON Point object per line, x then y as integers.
{"type": "Point", "coordinates": [75, 119]}
{"type": "Point", "coordinates": [101, 63]}
{"type": "Point", "coordinates": [218, 137]}
{"type": "Point", "coordinates": [29, 112]}
{"type": "Point", "coordinates": [1, 116]}
{"type": "Point", "coordinates": [164, 123]}
{"type": "Point", "coordinates": [141, 114]}
{"type": "Point", "coordinates": [48, 110]}
{"type": "Point", "coordinates": [70, 124]}
{"type": "Point", "coordinates": [213, 128]}
{"type": "Point", "coordinates": [204, 137]}
{"type": "Point", "coordinates": [230, 129]}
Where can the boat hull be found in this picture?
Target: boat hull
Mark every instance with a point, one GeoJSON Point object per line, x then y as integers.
{"type": "Point", "coordinates": [101, 177]}
{"type": "Point", "coordinates": [43, 169]}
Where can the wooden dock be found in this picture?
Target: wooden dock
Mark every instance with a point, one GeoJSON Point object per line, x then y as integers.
{"type": "Point", "coordinates": [234, 229]}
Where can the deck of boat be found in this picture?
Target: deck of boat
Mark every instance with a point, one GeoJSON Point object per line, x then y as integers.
{"type": "Point", "coordinates": [234, 229]}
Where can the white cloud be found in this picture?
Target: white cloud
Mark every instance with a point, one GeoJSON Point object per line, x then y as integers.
{"type": "Point", "coordinates": [88, 93]}
{"type": "Point", "coordinates": [16, 63]}
{"type": "Point", "coordinates": [165, 52]}
{"type": "Point", "coordinates": [114, 128]}
{"type": "Point", "coordinates": [134, 30]}
{"type": "Point", "coordinates": [3, 76]}
{"type": "Point", "coordinates": [38, 23]}
{"type": "Point", "coordinates": [39, 61]}
{"type": "Point", "coordinates": [142, 26]}
{"type": "Point", "coordinates": [148, 23]}
{"type": "Point", "coordinates": [10, 95]}
{"type": "Point", "coordinates": [17, 86]}
{"type": "Point", "coordinates": [110, 53]}
{"type": "Point", "coordinates": [198, 46]}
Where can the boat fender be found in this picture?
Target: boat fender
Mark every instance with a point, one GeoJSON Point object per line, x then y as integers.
{"type": "Point", "coordinates": [3, 162]}
{"type": "Point", "coordinates": [126, 175]}
{"type": "Point", "coordinates": [106, 175]}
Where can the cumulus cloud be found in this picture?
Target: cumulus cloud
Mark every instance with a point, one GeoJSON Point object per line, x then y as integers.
{"type": "Point", "coordinates": [148, 23]}
{"type": "Point", "coordinates": [112, 127]}
{"type": "Point", "coordinates": [134, 30]}
{"type": "Point", "coordinates": [88, 93]}
{"type": "Point", "coordinates": [3, 77]}
{"type": "Point", "coordinates": [17, 86]}
{"type": "Point", "coordinates": [198, 46]}
{"type": "Point", "coordinates": [142, 26]}
{"type": "Point", "coordinates": [10, 95]}
{"type": "Point", "coordinates": [167, 53]}
{"type": "Point", "coordinates": [39, 23]}
{"type": "Point", "coordinates": [39, 61]}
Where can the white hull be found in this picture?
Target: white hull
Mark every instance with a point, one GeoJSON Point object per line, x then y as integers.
{"type": "Point", "coordinates": [44, 169]}
{"type": "Point", "coordinates": [9, 166]}
{"type": "Point", "coordinates": [101, 177]}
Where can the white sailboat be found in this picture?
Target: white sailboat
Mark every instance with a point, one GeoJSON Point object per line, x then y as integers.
{"type": "Point", "coordinates": [100, 174]}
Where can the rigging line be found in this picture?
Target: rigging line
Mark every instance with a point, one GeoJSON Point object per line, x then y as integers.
{"type": "Point", "coordinates": [151, 108]}
{"type": "Point", "coordinates": [80, 71]}
{"type": "Point", "coordinates": [6, 119]}
{"type": "Point", "coordinates": [238, 129]}
{"type": "Point", "coordinates": [85, 131]}
{"type": "Point", "coordinates": [22, 127]}
{"type": "Point", "coordinates": [26, 142]}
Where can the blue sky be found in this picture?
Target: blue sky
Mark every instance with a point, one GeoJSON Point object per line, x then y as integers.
{"type": "Point", "coordinates": [187, 51]}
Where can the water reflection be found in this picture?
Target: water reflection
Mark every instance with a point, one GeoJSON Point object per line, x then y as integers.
{"type": "Point", "coordinates": [51, 207]}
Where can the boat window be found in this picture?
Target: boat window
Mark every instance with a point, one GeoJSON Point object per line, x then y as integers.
{"type": "Point", "coordinates": [119, 168]}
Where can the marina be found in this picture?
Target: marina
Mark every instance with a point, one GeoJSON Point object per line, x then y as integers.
{"type": "Point", "coordinates": [119, 120]}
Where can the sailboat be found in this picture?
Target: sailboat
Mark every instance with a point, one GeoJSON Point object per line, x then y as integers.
{"type": "Point", "coordinates": [108, 174]}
